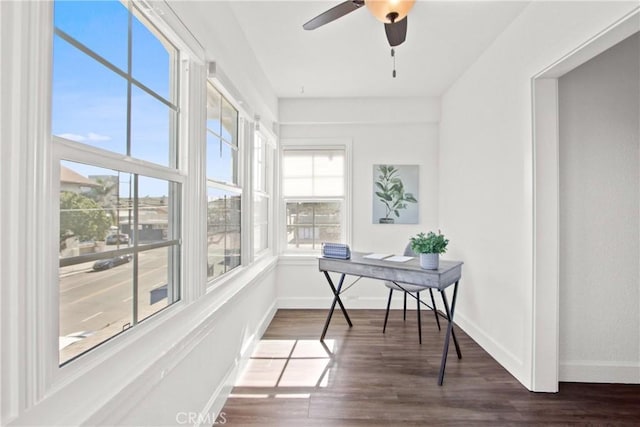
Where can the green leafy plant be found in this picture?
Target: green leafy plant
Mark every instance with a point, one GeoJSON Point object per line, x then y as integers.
{"type": "Point", "coordinates": [390, 191]}
{"type": "Point", "coordinates": [430, 243]}
{"type": "Point", "coordinates": [82, 217]}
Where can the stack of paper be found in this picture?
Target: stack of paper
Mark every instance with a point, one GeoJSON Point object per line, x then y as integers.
{"type": "Point", "coordinates": [399, 258]}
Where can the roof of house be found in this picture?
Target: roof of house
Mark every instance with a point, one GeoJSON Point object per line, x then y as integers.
{"type": "Point", "coordinates": [68, 176]}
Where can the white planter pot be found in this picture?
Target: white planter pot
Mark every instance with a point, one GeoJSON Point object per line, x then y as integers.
{"type": "Point", "coordinates": [429, 261]}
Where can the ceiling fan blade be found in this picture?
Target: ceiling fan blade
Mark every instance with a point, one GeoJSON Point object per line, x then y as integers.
{"type": "Point", "coordinates": [333, 14]}
{"type": "Point", "coordinates": [396, 32]}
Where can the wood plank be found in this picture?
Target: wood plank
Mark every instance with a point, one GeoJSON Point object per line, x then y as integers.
{"type": "Point", "coordinates": [366, 378]}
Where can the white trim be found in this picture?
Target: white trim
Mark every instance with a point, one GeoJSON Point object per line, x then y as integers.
{"type": "Point", "coordinates": [600, 371]}
{"type": "Point", "coordinates": [26, 33]}
{"type": "Point", "coordinates": [513, 364]}
{"type": "Point", "coordinates": [545, 290]}
{"type": "Point", "coordinates": [245, 146]}
{"type": "Point", "coordinates": [545, 310]}
{"type": "Point", "coordinates": [194, 202]}
{"type": "Point", "coordinates": [92, 156]}
{"type": "Point", "coordinates": [160, 13]}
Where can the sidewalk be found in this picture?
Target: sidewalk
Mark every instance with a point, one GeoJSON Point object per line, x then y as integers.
{"type": "Point", "coordinates": [75, 269]}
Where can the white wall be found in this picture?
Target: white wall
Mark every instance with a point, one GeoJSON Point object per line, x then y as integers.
{"type": "Point", "coordinates": [486, 175]}
{"type": "Point", "coordinates": [396, 131]}
{"type": "Point", "coordinates": [214, 24]}
{"type": "Point", "coordinates": [599, 220]}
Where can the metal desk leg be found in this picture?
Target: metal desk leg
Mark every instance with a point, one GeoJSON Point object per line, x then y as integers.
{"type": "Point", "coordinates": [450, 313]}
{"type": "Point", "coordinates": [453, 332]}
{"type": "Point", "coordinates": [336, 298]}
{"type": "Point", "coordinates": [435, 310]}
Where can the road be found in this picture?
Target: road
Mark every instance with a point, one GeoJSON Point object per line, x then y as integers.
{"type": "Point", "coordinates": [91, 301]}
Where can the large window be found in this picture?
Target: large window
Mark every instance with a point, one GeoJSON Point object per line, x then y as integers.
{"type": "Point", "coordinates": [313, 189]}
{"type": "Point", "coordinates": [224, 191]}
{"type": "Point", "coordinates": [114, 120]}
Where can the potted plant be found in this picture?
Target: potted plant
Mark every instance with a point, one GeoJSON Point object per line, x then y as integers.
{"type": "Point", "coordinates": [390, 191]}
{"type": "Point", "coordinates": [429, 246]}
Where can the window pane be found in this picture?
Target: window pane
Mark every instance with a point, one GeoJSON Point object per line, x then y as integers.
{"type": "Point", "coordinates": [297, 187]}
{"type": "Point", "coordinates": [83, 111]}
{"type": "Point", "coordinates": [297, 164]}
{"type": "Point", "coordinates": [261, 237]}
{"type": "Point", "coordinates": [155, 207]}
{"type": "Point", "coordinates": [328, 163]}
{"type": "Point", "coordinates": [261, 223]}
{"type": "Point", "coordinates": [222, 160]}
{"type": "Point", "coordinates": [98, 252]}
{"type": "Point", "coordinates": [310, 224]}
{"type": "Point", "coordinates": [152, 58]}
{"type": "Point", "coordinates": [95, 295]}
{"type": "Point", "coordinates": [92, 200]}
{"type": "Point", "coordinates": [328, 187]}
{"type": "Point", "coordinates": [102, 26]}
{"type": "Point", "coordinates": [229, 123]}
{"type": "Point", "coordinates": [259, 164]}
{"type": "Point", "coordinates": [151, 129]}
{"type": "Point", "coordinates": [214, 114]}
{"type": "Point", "coordinates": [313, 173]}
{"type": "Point", "coordinates": [223, 232]}
{"type": "Point", "coordinates": [156, 288]}
{"type": "Point", "coordinates": [95, 303]}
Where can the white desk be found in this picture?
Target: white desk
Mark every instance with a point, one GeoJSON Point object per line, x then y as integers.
{"type": "Point", "coordinates": [408, 272]}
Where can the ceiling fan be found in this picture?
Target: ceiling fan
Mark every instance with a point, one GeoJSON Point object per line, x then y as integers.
{"type": "Point", "coordinates": [392, 12]}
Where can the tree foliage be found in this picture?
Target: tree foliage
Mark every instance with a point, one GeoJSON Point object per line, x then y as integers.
{"type": "Point", "coordinates": [104, 194]}
{"type": "Point", "coordinates": [82, 217]}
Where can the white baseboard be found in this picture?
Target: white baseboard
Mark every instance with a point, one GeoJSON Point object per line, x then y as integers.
{"type": "Point", "coordinates": [599, 371]}
{"type": "Point", "coordinates": [504, 357]}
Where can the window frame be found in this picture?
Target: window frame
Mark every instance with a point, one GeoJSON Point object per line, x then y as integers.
{"type": "Point", "coordinates": [49, 373]}
{"type": "Point", "coordinates": [315, 144]}
{"type": "Point", "coordinates": [71, 151]}
{"type": "Point", "coordinates": [269, 148]}
{"type": "Point", "coordinates": [238, 188]}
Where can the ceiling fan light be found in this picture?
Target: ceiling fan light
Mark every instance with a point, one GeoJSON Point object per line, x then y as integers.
{"type": "Point", "coordinates": [388, 11]}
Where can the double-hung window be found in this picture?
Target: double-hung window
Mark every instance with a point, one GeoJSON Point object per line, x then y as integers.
{"type": "Point", "coordinates": [263, 150]}
{"type": "Point", "coordinates": [115, 123]}
{"type": "Point", "coordinates": [224, 191]}
{"type": "Point", "coordinates": [314, 189]}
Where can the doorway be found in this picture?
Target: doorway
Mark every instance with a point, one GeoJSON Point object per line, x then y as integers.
{"type": "Point", "coordinates": [549, 265]}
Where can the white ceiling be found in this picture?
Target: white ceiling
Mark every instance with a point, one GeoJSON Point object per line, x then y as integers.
{"type": "Point", "coordinates": [350, 57]}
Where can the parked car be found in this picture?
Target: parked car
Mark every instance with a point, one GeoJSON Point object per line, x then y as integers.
{"type": "Point", "coordinates": [105, 264]}
{"type": "Point", "coordinates": [114, 239]}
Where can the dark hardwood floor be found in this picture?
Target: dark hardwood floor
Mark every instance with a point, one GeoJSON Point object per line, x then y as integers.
{"type": "Point", "coordinates": [366, 378]}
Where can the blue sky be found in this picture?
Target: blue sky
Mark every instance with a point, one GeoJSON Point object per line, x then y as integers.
{"type": "Point", "coordinates": [90, 100]}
